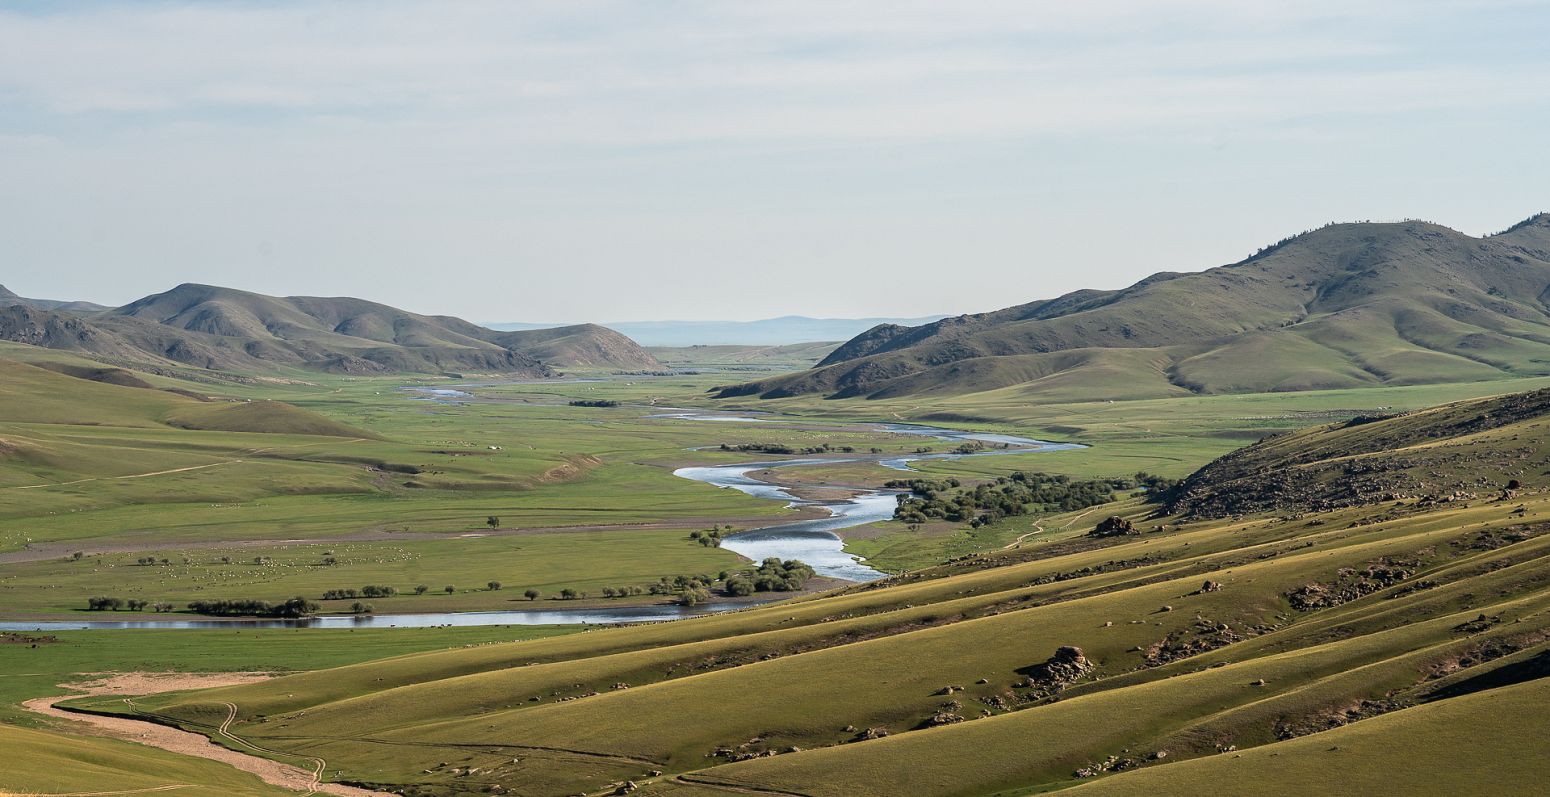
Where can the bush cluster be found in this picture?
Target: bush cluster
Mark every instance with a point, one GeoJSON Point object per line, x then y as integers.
{"type": "Point", "coordinates": [711, 537]}
{"type": "Point", "coordinates": [1008, 496]}
{"type": "Point", "coordinates": [295, 607]}
{"type": "Point", "coordinates": [772, 575]}
{"type": "Point", "coordinates": [781, 448]}
{"type": "Point", "coordinates": [368, 591]}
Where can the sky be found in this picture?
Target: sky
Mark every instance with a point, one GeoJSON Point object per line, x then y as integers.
{"type": "Point", "coordinates": [577, 160]}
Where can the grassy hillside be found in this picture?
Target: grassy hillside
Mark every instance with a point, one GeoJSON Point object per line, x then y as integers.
{"type": "Point", "coordinates": [1440, 744]}
{"type": "Point", "coordinates": [58, 763]}
{"type": "Point", "coordinates": [1456, 452]}
{"type": "Point", "coordinates": [1345, 306]}
{"type": "Point", "coordinates": [1073, 659]}
{"type": "Point", "coordinates": [208, 327]}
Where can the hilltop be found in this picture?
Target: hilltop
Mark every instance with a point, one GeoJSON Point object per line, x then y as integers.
{"type": "Point", "coordinates": [1347, 305]}
{"type": "Point", "coordinates": [224, 329]}
{"type": "Point", "coordinates": [8, 298]}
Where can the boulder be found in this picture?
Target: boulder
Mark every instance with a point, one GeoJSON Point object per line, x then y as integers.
{"type": "Point", "coordinates": [1114, 526]}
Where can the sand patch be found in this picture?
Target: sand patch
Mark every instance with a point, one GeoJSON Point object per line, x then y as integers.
{"type": "Point", "coordinates": [132, 684]}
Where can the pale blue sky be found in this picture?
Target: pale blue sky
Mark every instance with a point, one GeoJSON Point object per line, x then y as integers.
{"type": "Point", "coordinates": [634, 160]}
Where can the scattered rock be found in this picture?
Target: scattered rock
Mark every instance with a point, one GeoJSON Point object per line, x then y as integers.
{"type": "Point", "coordinates": [1114, 526]}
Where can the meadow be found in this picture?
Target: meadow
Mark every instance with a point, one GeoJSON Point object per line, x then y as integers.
{"type": "Point", "coordinates": [361, 482]}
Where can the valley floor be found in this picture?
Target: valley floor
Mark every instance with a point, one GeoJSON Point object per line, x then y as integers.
{"type": "Point", "coordinates": [1200, 654]}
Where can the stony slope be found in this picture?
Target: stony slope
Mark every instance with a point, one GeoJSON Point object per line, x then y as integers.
{"type": "Point", "coordinates": [1461, 451]}
{"type": "Point", "coordinates": [1347, 305]}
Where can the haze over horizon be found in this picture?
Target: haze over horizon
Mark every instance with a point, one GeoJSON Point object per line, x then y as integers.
{"type": "Point", "coordinates": [612, 161]}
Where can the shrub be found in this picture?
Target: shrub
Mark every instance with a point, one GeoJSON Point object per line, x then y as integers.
{"type": "Point", "coordinates": [530, 593]}
{"type": "Point", "coordinates": [295, 607]}
{"type": "Point", "coordinates": [421, 589]}
{"type": "Point", "coordinates": [569, 594]}
{"type": "Point", "coordinates": [449, 589]}
{"type": "Point", "coordinates": [493, 585]}
{"type": "Point", "coordinates": [693, 596]}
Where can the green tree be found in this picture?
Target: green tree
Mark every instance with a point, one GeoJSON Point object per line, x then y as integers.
{"type": "Point", "coordinates": [531, 594]}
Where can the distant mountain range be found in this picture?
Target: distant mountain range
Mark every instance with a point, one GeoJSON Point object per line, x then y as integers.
{"type": "Point", "coordinates": [224, 329]}
{"type": "Point", "coordinates": [7, 298]}
{"type": "Point", "coordinates": [1347, 305]}
{"type": "Point", "coordinates": [767, 332]}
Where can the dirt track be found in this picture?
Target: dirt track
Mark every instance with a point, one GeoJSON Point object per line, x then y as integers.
{"type": "Point", "coordinates": [184, 742]}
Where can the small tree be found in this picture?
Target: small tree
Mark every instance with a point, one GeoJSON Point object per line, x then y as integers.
{"type": "Point", "coordinates": [360, 608]}
{"type": "Point", "coordinates": [531, 594]}
{"type": "Point", "coordinates": [76, 557]}
{"type": "Point", "coordinates": [421, 589]}
{"type": "Point", "coordinates": [449, 589]}
{"type": "Point", "coordinates": [568, 594]}
{"type": "Point", "coordinates": [493, 585]}
{"type": "Point", "coordinates": [493, 522]}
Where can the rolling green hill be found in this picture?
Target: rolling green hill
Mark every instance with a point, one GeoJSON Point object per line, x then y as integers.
{"type": "Point", "coordinates": [1182, 649]}
{"type": "Point", "coordinates": [1347, 305]}
{"type": "Point", "coordinates": [224, 329]}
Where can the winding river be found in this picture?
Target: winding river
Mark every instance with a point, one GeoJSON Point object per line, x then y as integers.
{"type": "Point", "coordinates": [815, 541]}
{"type": "Point", "coordinates": [812, 541]}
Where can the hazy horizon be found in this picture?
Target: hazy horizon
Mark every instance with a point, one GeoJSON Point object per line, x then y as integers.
{"type": "Point", "coordinates": [612, 161]}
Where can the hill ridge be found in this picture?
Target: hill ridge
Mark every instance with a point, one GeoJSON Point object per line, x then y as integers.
{"type": "Point", "coordinates": [1346, 305]}
{"type": "Point", "coordinates": [213, 327]}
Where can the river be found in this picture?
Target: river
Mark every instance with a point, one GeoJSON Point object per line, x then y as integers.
{"type": "Point", "coordinates": [815, 541]}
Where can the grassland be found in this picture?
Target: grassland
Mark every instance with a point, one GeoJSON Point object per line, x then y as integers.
{"type": "Point", "coordinates": [1174, 669]}
{"type": "Point", "coordinates": [59, 761]}
{"type": "Point", "coordinates": [584, 496]}
{"type": "Point", "coordinates": [942, 670]}
{"type": "Point", "coordinates": [39, 762]}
